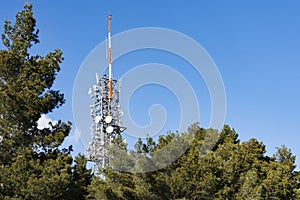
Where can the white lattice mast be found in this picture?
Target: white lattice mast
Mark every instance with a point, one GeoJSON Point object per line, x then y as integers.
{"type": "Point", "coordinates": [106, 114]}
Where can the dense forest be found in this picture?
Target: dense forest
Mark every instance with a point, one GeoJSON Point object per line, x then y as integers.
{"type": "Point", "coordinates": [34, 166]}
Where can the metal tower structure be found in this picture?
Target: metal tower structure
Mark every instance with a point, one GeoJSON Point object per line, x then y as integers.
{"type": "Point", "coordinates": [106, 114]}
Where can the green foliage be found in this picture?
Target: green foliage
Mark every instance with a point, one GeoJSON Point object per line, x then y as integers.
{"type": "Point", "coordinates": [230, 170]}
{"type": "Point", "coordinates": [81, 179]}
{"type": "Point", "coordinates": [32, 166]}
{"type": "Point", "coordinates": [25, 84]}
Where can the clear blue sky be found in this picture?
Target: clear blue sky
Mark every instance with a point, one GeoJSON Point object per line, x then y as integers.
{"type": "Point", "coordinates": [255, 44]}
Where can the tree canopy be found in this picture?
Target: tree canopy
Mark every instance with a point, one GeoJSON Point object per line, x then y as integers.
{"type": "Point", "coordinates": [231, 170]}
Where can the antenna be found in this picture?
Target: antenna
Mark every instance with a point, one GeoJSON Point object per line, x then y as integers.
{"type": "Point", "coordinates": [106, 115]}
{"type": "Point", "coordinates": [109, 55]}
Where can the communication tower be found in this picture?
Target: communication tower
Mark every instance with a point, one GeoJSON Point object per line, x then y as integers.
{"type": "Point", "coordinates": [106, 114]}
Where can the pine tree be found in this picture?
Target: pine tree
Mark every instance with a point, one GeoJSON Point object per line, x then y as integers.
{"type": "Point", "coordinates": [32, 165]}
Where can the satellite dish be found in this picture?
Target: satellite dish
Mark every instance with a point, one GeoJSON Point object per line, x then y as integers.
{"type": "Point", "coordinates": [90, 91]}
{"type": "Point", "coordinates": [109, 129]}
{"type": "Point", "coordinates": [108, 119]}
{"type": "Point", "coordinates": [122, 129]}
{"type": "Point", "coordinates": [97, 119]}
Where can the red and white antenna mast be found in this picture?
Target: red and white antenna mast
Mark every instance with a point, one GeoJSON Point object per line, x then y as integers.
{"type": "Point", "coordinates": [106, 114]}
{"type": "Point", "coordinates": [109, 53]}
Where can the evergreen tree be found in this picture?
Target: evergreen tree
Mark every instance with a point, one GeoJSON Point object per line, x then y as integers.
{"type": "Point", "coordinates": [32, 166]}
